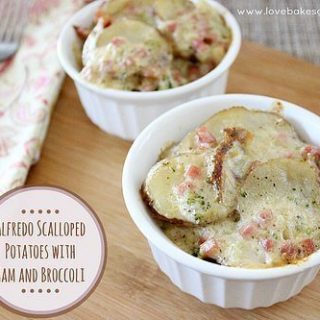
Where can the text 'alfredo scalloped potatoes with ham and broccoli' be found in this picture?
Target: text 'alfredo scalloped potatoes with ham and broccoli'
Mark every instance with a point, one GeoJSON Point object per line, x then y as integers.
{"type": "Point", "coordinates": [147, 45]}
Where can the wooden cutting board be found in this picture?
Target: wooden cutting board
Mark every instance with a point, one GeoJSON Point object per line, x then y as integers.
{"type": "Point", "coordinates": [83, 159]}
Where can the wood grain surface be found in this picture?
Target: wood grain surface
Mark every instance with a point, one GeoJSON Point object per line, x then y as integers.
{"type": "Point", "coordinates": [81, 158]}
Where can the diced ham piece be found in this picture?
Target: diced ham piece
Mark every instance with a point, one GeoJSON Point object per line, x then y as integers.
{"type": "Point", "coordinates": [193, 172]}
{"type": "Point", "coordinates": [142, 53]}
{"type": "Point", "coordinates": [264, 217]}
{"type": "Point", "coordinates": [193, 72]}
{"type": "Point", "coordinates": [308, 149]}
{"type": "Point", "coordinates": [172, 26]}
{"type": "Point", "coordinates": [316, 153]}
{"type": "Point", "coordinates": [289, 251]}
{"type": "Point", "coordinates": [308, 247]}
{"type": "Point", "coordinates": [204, 138]}
{"type": "Point", "coordinates": [267, 244]}
{"type": "Point", "coordinates": [266, 214]}
{"type": "Point", "coordinates": [118, 41]}
{"type": "Point", "coordinates": [177, 76]}
{"type": "Point", "coordinates": [209, 248]}
{"type": "Point", "coordinates": [199, 44]}
{"type": "Point", "coordinates": [311, 150]}
{"type": "Point", "coordinates": [183, 187]}
{"type": "Point", "coordinates": [249, 230]}
{"type": "Point", "coordinates": [128, 62]}
{"type": "Point", "coordinates": [288, 155]}
{"type": "Point", "coordinates": [282, 137]}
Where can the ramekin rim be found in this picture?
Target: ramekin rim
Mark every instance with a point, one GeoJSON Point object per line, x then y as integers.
{"type": "Point", "coordinates": [222, 67]}
{"type": "Point", "coordinates": [162, 242]}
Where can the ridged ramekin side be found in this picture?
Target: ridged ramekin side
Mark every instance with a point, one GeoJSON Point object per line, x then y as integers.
{"type": "Point", "coordinates": [127, 118]}
{"type": "Point", "coordinates": [228, 293]}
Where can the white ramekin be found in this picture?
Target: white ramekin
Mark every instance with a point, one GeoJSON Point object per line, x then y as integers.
{"type": "Point", "coordinates": [224, 286]}
{"type": "Point", "coordinates": [125, 113]}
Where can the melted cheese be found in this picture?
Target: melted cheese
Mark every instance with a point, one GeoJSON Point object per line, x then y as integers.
{"type": "Point", "coordinates": [174, 195]}
{"type": "Point", "coordinates": [140, 45]}
{"type": "Point", "coordinates": [127, 55]}
{"type": "Point", "coordinates": [268, 211]}
{"type": "Point", "coordinates": [271, 135]}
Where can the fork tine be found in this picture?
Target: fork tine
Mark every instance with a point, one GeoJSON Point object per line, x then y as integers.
{"type": "Point", "coordinates": [13, 21]}
{"type": "Point", "coordinates": [22, 18]}
{"type": "Point", "coordinates": [4, 17]}
{"type": "Point", "coordinates": [6, 13]}
{"type": "Point", "coordinates": [12, 24]}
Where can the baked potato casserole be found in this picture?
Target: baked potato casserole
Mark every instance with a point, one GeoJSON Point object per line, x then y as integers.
{"type": "Point", "coordinates": [240, 190]}
{"type": "Point", "coordinates": [149, 45]}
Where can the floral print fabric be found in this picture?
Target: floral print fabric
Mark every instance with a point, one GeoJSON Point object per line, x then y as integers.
{"type": "Point", "coordinates": [29, 86]}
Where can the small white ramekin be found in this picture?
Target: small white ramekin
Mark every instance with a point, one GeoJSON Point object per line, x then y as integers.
{"type": "Point", "coordinates": [211, 283]}
{"type": "Point", "coordinates": [125, 113]}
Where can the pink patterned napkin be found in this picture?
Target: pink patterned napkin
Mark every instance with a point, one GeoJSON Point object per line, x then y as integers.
{"type": "Point", "coordinates": [29, 86]}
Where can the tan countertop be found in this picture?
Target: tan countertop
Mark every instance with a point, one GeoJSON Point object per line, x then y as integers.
{"type": "Point", "coordinates": [83, 159]}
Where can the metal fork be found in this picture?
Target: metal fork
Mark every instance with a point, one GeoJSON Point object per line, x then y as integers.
{"type": "Point", "coordinates": [13, 17]}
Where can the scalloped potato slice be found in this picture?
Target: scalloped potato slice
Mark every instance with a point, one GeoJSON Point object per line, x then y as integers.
{"type": "Point", "coordinates": [279, 204]}
{"type": "Point", "coordinates": [128, 55]}
{"type": "Point", "coordinates": [219, 243]}
{"type": "Point", "coordinates": [279, 207]}
{"type": "Point", "coordinates": [197, 188]}
{"type": "Point", "coordinates": [271, 135]}
{"type": "Point", "coordinates": [179, 189]}
{"type": "Point", "coordinates": [196, 31]}
{"type": "Point", "coordinates": [189, 239]}
{"type": "Point", "coordinates": [112, 7]}
{"type": "Point", "coordinates": [170, 9]}
{"type": "Point", "coordinates": [133, 31]}
{"type": "Point", "coordinates": [147, 11]}
{"type": "Point", "coordinates": [141, 10]}
{"type": "Point", "coordinates": [289, 187]}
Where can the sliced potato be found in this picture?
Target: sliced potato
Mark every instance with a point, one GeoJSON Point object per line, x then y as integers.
{"type": "Point", "coordinates": [271, 135]}
{"type": "Point", "coordinates": [175, 197]}
{"type": "Point", "coordinates": [141, 10]}
{"type": "Point", "coordinates": [289, 187]}
{"type": "Point", "coordinates": [113, 7]}
{"type": "Point", "coordinates": [197, 188]}
{"type": "Point", "coordinates": [184, 71]}
{"type": "Point", "coordinates": [133, 31]}
{"type": "Point", "coordinates": [217, 242]}
{"type": "Point", "coordinates": [128, 55]}
{"type": "Point", "coordinates": [189, 239]}
{"type": "Point", "coordinates": [197, 32]}
{"type": "Point", "coordinates": [279, 224]}
{"type": "Point", "coordinates": [171, 9]}
{"type": "Point", "coordinates": [259, 172]}
{"type": "Point", "coordinates": [281, 199]}
{"type": "Point", "coordinates": [186, 238]}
